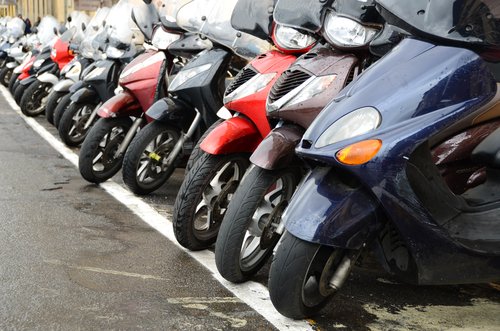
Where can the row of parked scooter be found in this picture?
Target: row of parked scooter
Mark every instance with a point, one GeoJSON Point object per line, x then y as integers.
{"type": "Point", "coordinates": [318, 130]}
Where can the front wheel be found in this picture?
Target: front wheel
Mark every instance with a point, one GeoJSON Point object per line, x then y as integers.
{"type": "Point", "coordinates": [247, 235]}
{"type": "Point", "coordinates": [145, 166]}
{"type": "Point", "coordinates": [73, 126]}
{"type": "Point", "coordinates": [299, 279]}
{"type": "Point", "coordinates": [5, 75]}
{"type": "Point", "coordinates": [19, 90]}
{"type": "Point", "coordinates": [98, 159]}
{"type": "Point", "coordinates": [12, 82]}
{"type": "Point", "coordinates": [34, 98]}
{"type": "Point", "coordinates": [52, 101]}
{"type": "Point", "coordinates": [61, 108]}
{"type": "Point", "coordinates": [204, 196]}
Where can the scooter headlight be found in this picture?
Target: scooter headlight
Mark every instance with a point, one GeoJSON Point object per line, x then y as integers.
{"type": "Point", "coordinates": [287, 38]}
{"type": "Point", "coordinates": [345, 32]}
{"type": "Point", "coordinates": [12, 40]}
{"type": "Point", "coordinates": [186, 74]}
{"type": "Point", "coordinates": [256, 84]}
{"type": "Point", "coordinates": [351, 125]}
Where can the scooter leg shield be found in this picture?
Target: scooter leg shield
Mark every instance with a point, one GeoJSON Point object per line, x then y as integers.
{"type": "Point", "coordinates": [172, 111]}
{"type": "Point", "coordinates": [277, 150]}
{"type": "Point", "coordinates": [123, 101]}
{"type": "Point", "coordinates": [329, 210]}
{"type": "Point", "coordinates": [47, 77]}
{"type": "Point", "coordinates": [235, 135]}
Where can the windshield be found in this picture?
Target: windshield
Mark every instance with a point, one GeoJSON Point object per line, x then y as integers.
{"type": "Point", "coordinates": [46, 29]}
{"type": "Point", "coordinates": [469, 21]}
{"type": "Point", "coordinates": [15, 27]}
{"type": "Point", "coordinates": [77, 19]}
{"type": "Point", "coordinates": [253, 17]}
{"type": "Point", "coordinates": [300, 14]}
{"type": "Point", "coordinates": [95, 36]}
{"type": "Point", "coordinates": [168, 9]}
{"type": "Point", "coordinates": [120, 26]}
{"type": "Point", "coordinates": [145, 17]}
{"type": "Point", "coordinates": [211, 18]}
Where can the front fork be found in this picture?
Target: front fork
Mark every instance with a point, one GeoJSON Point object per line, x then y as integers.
{"type": "Point", "coordinates": [130, 135]}
{"type": "Point", "coordinates": [184, 136]}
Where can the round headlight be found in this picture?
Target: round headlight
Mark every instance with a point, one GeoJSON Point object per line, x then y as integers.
{"type": "Point", "coordinates": [345, 32]}
{"type": "Point", "coordinates": [287, 38]}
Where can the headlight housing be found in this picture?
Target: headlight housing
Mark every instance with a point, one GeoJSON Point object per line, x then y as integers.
{"type": "Point", "coordinates": [345, 32]}
{"type": "Point", "coordinates": [291, 39]}
{"type": "Point", "coordinates": [252, 86]}
{"type": "Point", "coordinates": [186, 74]}
{"type": "Point", "coordinates": [351, 125]}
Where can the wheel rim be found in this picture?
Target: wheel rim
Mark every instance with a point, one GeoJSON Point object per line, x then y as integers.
{"type": "Point", "coordinates": [78, 129]}
{"type": "Point", "coordinates": [260, 236]}
{"type": "Point", "coordinates": [315, 289]}
{"type": "Point", "coordinates": [106, 158]}
{"type": "Point", "coordinates": [37, 101]}
{"type": "Point", "coordinates": [153, 161]}
{"type": "Point", "coordinates": [216, 197]}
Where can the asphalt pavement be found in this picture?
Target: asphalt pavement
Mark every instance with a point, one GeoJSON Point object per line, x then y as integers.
{"type": "Point", "coordinates": [74, 257]}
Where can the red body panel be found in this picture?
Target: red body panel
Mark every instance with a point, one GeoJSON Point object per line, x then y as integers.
{"type": "Point", "coordinates": [61, 54]}
{"type": "Point", "coordinates": [140, 77]}
{"type": "Point", "coordinates": [240, 134]}
{"type": "Point", "coordinates": [25, 71]}
{"type": "Point", "coordinates": [124, 102]}
{"type": "Point", "coordinates": [234, 135]}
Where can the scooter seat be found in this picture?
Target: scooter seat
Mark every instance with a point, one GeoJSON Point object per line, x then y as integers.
{"type": "Point", "coordinates": [488, 151]}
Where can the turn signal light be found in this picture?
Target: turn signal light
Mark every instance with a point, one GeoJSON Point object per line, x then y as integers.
{"type": "Point", "coordinates": [360, 152]}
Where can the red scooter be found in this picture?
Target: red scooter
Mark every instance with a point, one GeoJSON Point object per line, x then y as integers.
{"type": "Point", "coordinates": [144, 81]}
{"type": "Point", "coordinates": [210, 183]}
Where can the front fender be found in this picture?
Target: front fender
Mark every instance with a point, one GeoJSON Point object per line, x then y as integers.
{"type": "Point", "coordinates": [236, 134]}
{"type": "Point", "coordinates": [328, 211]}
{"type": "Point", "coordinates": [63, 85]}
{"type": "Point", "coordinates": [28, 80]}
{"type": "Point", "coordinates": [173, 111]}
{"type": "Point", "coordinates": [11, 65]}
{"type": "Point", "coordinates": [84, 94]}
{"type": "Point", "coordinates": [123, 102]}
{"type": "Point", "coordinates": [47, 77]}
{"type": "Point", "coordinates": [277, 150]}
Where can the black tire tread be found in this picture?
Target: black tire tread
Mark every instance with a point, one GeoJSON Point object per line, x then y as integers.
{"type": "Point", "coordinates": [89, 146]}
{"type": "Point", "coordinates": [61, 108]}
{"type": "Point", "coordinates": [27, 95]}
{"type": "Point", "coordinates": [18, 93]}
{"type": "Point", "coordinates": [197, 151]}
{"type": "Point", "coordinates": [52, 102]}
{"type": "Point", "coordinates": [3, 73]}
{"type": "Point", "coordinates": [12, 82]}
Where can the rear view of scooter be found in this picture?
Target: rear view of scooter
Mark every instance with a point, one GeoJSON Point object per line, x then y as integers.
{"type": "Point", "coordinates": [212, 180]}
{"type": "Point", "coordinates": [252, 224]}
{"type": "Point", "coordinates": [375, 185]}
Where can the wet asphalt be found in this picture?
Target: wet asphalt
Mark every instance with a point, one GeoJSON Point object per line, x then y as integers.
{"type": "Point", "coordinates": [72, 257]}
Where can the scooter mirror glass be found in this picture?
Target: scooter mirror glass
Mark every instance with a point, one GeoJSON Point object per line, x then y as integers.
{"type": "Point", "coordinates": [253, 17]}
{"type": "Point", "coordinates": [146, 18]}
{"type": "Point", "coordinates": [466, 21]}
{"type": "Point", "coordinates": [15, 27]}
{"type": "Point", "coordinates": [300, 14]}
{"type": "Point", "coordinates": [212, 19]}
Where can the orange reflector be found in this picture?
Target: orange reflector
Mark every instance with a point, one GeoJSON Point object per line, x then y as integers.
{"type": "Point", "coordinates": [360, 152]}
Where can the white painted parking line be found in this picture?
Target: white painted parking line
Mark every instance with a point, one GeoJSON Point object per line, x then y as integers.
{"type": "Point", "coordinates": [253, 294]}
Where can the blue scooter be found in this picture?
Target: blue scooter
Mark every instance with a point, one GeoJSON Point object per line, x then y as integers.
{"type": "Point", "coordinates": [375, 184]}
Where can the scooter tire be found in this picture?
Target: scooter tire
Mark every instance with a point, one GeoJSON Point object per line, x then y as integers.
{"type": "Point", "coordinates": [31, 101]}
{"type": "Point", "coordinates": [198, 180]}
{"type": "Point", "coordinates": [61, 108]}
{"type": "Point", "coordinates": [13, 83]}
{"type": "Point", "coordinates": [293, 285]}
{"type": "Point", "coordinates": [68, 125]}
{"type": "Point", "coordinates": [53, 101]}
{"type": "Point", "coordinates": [197, 151]}
{"type": "Point", "coordinates": [19, 92]}
{"type": "Point", "coordinates": [5, 75]}
{"type": "Point", "coordinates": [151, 136]}
{"type": "Point", "coordinates": [117, 128]}
{"type": "Point", "coordinates": [238, 256]}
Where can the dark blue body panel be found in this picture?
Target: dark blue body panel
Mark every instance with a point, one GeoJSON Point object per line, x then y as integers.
{"type": "Point", "coordinates": [422, 92]}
